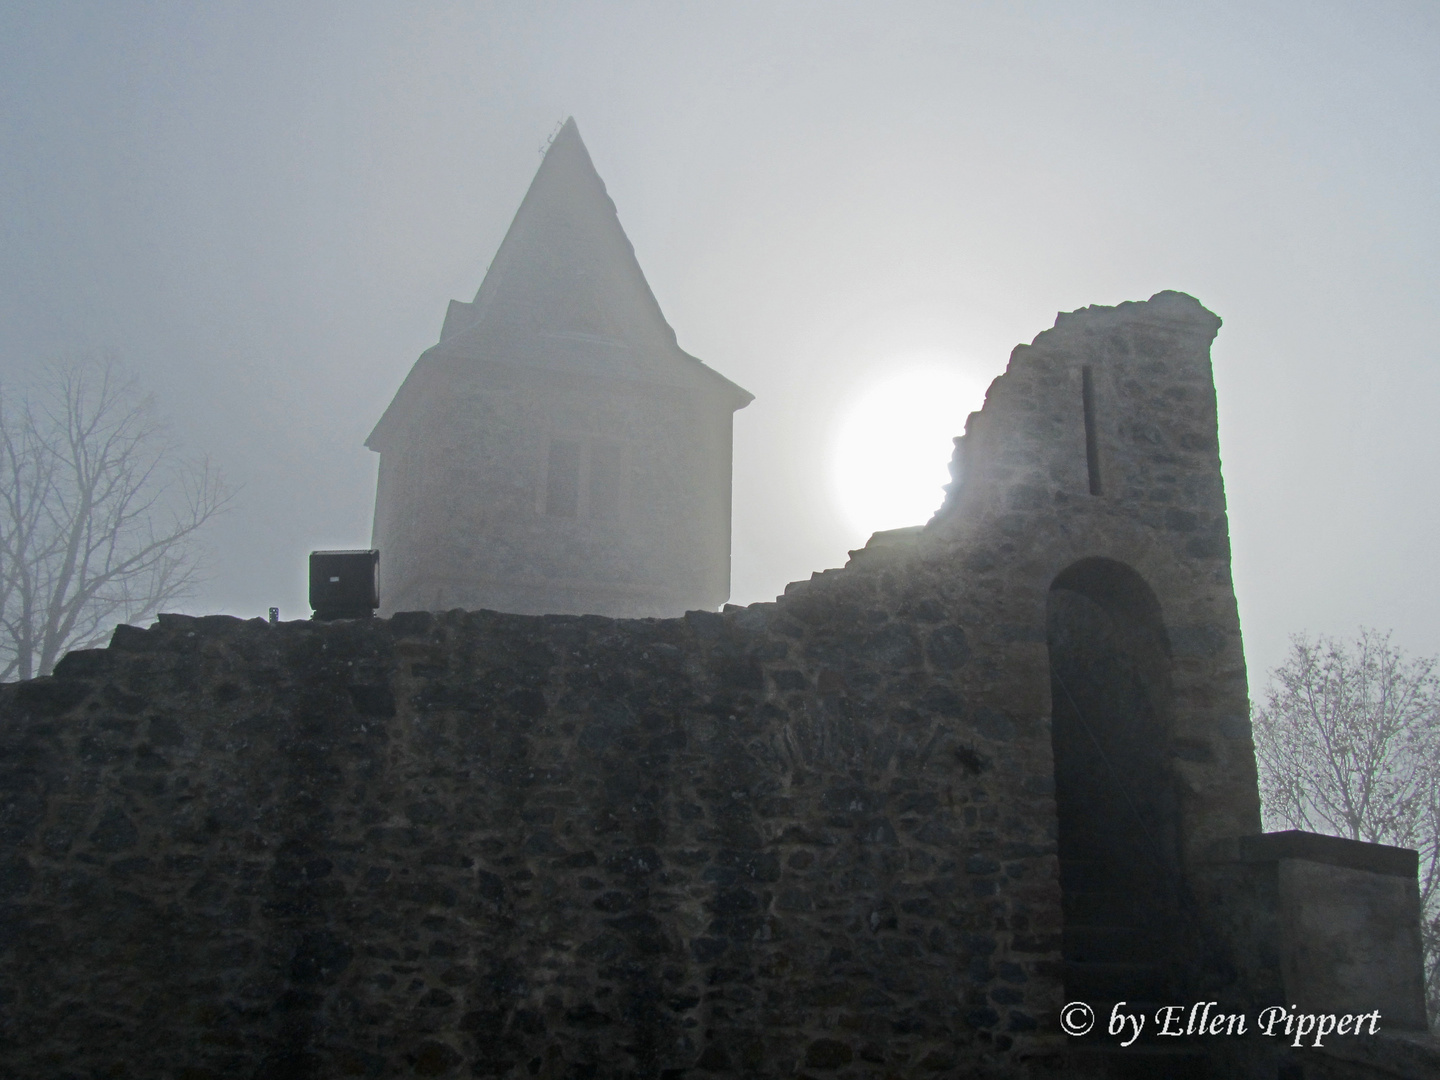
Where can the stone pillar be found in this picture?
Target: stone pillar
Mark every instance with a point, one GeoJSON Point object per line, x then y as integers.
{"type": "Point", "coordinates": [1347, 915]}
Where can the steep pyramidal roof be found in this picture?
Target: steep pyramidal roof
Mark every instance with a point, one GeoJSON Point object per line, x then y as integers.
{"type": "Point", "coordinates": [564, 256]}
{"type": "Point", "coordinates": [564, 291]}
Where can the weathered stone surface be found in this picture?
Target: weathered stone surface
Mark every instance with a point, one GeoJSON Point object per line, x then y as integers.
{"type": "Point", "coordinates": [1347, 924]}
{"type": "Point", "coordinates": [445, 844]}
{"type": "Point", "coordinates": [811, 837]}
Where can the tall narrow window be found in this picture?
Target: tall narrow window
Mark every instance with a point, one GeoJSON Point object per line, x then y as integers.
{"type": "Point", "coordinates": [562, 484]}
{"type": "Point", "coordinates": [1092, 442]}
{"type": "Point", "coordinates": [603, 489]}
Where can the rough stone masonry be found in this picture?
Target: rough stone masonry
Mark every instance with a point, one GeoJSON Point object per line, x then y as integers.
{"type": "Point", "coordinates": [824, 836]}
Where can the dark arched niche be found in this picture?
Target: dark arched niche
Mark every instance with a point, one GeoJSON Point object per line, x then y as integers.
{"type": "Point", "coordinates": [1118, 843]}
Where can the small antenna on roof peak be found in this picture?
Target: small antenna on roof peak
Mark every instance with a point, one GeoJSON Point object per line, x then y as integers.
{"type": "Point", "coordinates": [545, 147]}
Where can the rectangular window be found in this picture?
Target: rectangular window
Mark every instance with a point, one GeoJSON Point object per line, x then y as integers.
{"type": "Point", "coordinates": [603, 489]}
{"type": "Point", "coordinates": [562, 483]}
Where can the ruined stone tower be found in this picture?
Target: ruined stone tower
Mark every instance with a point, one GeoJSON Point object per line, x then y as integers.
{"type": "Point", "coordinates": [557, 451]}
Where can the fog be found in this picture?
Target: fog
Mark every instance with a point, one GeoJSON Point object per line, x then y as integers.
{"type": "Point", "coordinates": [263, 210]}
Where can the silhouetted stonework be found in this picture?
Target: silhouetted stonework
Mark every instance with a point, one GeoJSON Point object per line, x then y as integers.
{"type": "Point", "coordinates": [815, 837]}
{"type": "Point", "coordinates": [733, 841]}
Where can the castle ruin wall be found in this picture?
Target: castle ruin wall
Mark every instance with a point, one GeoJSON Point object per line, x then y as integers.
{"type": "Point", "coordinates": [807, 836]}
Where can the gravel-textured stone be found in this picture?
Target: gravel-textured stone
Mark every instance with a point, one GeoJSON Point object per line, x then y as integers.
{"type": "Point", "coordinates": [818, 834]}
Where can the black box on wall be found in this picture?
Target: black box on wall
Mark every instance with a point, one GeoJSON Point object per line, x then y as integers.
{"type": "Point", "coordinates": [343, 584]}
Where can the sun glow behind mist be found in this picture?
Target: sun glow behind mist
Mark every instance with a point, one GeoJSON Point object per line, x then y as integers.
{"type": "Point", "coordinates": [893, 443]}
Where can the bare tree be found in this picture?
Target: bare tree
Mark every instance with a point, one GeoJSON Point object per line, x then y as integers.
{"type": "Point", "coordinates": [98, 515]}
{"type": "Point", "coordinates": [1348, 743]}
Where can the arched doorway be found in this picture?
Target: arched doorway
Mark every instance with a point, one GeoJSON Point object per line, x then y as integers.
{"type": "Point", "coordinates": [1118, 839]}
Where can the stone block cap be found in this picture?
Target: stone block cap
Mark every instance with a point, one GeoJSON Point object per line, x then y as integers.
{"type": "Point", "coordinates": [1334, 850]}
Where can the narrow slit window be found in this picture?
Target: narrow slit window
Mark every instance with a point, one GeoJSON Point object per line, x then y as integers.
{"type": "Point", "coordinates": [1092, 442]}
{"type": "Point", "coordinates": [562, 483]}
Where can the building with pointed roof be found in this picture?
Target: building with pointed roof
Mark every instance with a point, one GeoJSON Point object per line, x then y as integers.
{"type": "Point", "coordinates": [557, 451]}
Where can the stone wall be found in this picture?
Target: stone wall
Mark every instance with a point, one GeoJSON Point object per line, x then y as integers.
{"type": "Point", "coordinates": [811, 837]}
{"type": "Point", "coordinates": [740, 842]}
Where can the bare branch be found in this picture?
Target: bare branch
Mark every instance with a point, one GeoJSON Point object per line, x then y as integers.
{"type": "Point", "coordinates": [1348, 743]}
{"type": "Point", "coordinates": [99, 515]}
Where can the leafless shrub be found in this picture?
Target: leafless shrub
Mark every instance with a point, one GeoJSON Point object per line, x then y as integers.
{"type": "Point", "coordinates": [98, 514]}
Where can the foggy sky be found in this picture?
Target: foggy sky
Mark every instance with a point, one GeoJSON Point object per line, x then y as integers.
{"type": "Point", "coordinates": [263, 212]}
